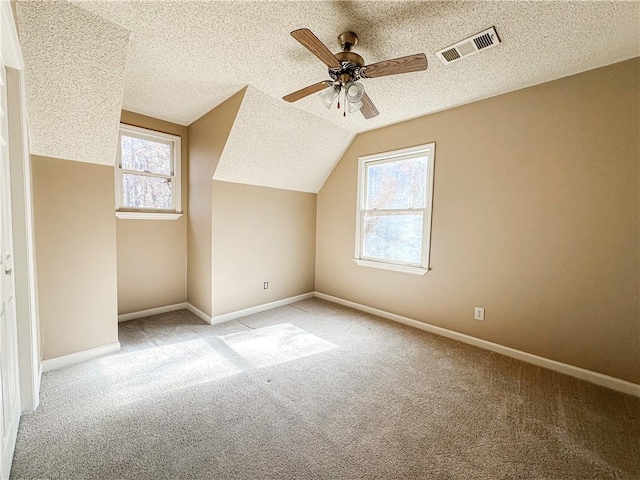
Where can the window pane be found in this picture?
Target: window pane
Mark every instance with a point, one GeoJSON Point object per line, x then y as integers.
{"type": "Point", "coordinates": [140, 191]}
{"type": "Point", "coordinates": [399, 184]}
{"type": "Point", "coordinates": [145, 155]}
{"type": "Point", "coordinates": [395, 237]}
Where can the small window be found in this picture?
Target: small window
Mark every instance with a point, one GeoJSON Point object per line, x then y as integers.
{"type": "Point", "coordinates": [147, 174]}
{"type": "Point", "coordinates": [395, 194]}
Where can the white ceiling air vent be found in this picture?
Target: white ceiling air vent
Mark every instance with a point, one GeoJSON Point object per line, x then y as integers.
{"type": "Point", "coordinates": [480, 41]}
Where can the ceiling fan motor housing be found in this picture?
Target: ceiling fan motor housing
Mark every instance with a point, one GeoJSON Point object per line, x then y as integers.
{"type": "Point", "coordinates": [350, 65]}
{"type": "Point", "coordinates": [350, 62]}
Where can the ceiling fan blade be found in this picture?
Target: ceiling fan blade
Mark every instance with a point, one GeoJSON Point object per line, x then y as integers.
{"type": "Point", "coordinates": [306, 91]}
{"type": "Point", "coordinates": [368, 109]}
{"type": "Point", "coordinates": [411, 63]}
{"type": "Point", "coordinates": [315, 46]}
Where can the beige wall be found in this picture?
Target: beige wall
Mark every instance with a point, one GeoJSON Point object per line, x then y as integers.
{"type": "Point", "coordinates": [75, 240]}
{"type": "Point", "coordinates": [207, 138]}
{"type": "Point", "coordinates": [261, 235]}
{"type": "Point", "coordinates": [536, 218]}
{"type": "Point", "coordinates": [152, 254]}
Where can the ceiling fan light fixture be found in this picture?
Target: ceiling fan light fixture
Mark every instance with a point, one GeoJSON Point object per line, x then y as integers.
{"type": "Point", "coordinates": [354, 91]}
{"type": "Point", "coordinates": [328, 95]}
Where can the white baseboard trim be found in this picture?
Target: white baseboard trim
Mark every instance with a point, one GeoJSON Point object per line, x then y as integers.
{"type": "Point", "coordinates": [199, 313]}
{"type": "Point", "coordinates": [83, 356]}
{"type": "Point", "coordinates": [260, 308]}
{"type": "Point", "coordinates": [151, 311]}
{"type": "Point", "coordinates": [581, 373]}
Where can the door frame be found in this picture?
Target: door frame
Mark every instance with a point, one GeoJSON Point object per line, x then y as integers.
{"type": "Point", "coordinates": [29, 364]}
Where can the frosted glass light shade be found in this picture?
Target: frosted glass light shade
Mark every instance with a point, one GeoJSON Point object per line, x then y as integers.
{"type": "Point", "coordinates": [328, 95]}
{"type": "Point", "coordinates": [354, 106]}
{"type": "Point", "coordinates": [354, 91]}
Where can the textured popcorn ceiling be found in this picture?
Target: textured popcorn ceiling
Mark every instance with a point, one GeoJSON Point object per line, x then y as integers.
{"type": "Point", "coordinates": [186, 57]}
{"type": "Point", "coordinates": [280, 146]}
{"type": "Point", "coordinates": [75, 64]}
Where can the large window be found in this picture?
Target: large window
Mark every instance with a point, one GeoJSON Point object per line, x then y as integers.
{"type": "Point", "coordinates": [147, 174]}
{"type": "Point", "coordinates": [395, 192]}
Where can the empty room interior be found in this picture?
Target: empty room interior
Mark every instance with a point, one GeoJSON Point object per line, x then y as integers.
{"type": "Point", "coordinates": [320, 239]}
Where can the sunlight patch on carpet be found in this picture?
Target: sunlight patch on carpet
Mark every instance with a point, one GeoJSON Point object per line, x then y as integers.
{"type": "Point", "coordinates": [133, 376]}
{"type": "Point", "coordinates": [276, 344]}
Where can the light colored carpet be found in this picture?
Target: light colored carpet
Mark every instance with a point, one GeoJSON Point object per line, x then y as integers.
{"type": "Point", "coordinates": [318, 391]}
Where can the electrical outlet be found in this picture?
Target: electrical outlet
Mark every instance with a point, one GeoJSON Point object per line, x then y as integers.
{"type": "Point", "coordinates": [266, 285]}
{"type": "Point", "coordinates": [479, 315]}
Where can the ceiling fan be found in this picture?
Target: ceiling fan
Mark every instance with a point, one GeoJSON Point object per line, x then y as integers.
{"type": "Point", "coordinates": [346, 69]}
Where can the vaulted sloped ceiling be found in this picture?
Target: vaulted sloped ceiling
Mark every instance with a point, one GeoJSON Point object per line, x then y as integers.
{"type": "Point", "coordinates": [280, 146]}
{"type": "Point", "coordinates": [186, 57]}
{"type": "Point", "coordinates": [75, 63]}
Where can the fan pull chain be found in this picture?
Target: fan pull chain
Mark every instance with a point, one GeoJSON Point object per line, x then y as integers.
{"type": "Point", "coordinates": [344, 110]}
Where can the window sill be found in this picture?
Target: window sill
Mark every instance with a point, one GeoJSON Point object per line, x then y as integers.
{"type": "Point", "coordinates": [391, 266]}
{"type": "Point", "coordinates": [148, 216]}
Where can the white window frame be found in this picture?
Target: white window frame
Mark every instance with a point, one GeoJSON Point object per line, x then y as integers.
{"type": "Point", "coordinates": [175, 143]}
{"type": "Point", "coordinates": [428, 150]}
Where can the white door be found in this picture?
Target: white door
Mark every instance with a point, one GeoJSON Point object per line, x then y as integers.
{"type": "Point", "coordinates": [9, 387]}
